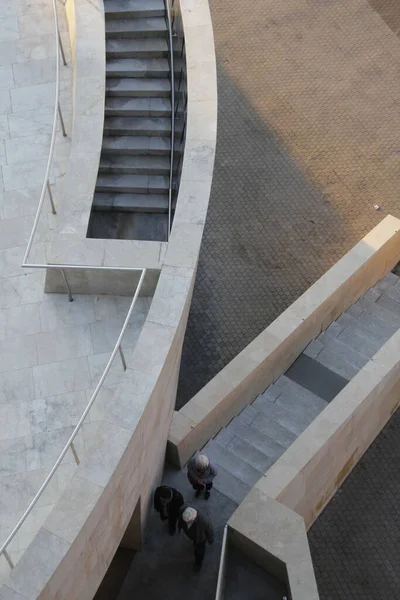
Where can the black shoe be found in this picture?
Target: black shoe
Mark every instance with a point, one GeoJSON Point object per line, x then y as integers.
{"type": "Point", "coordinates": [196, 568]}
{"type": "Point", "coordinates": [207, 494]}
{"type": "Point", "coordinates": [198, 492]}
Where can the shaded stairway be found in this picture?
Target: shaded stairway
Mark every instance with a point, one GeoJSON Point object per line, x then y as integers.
{"type": "Point", "coordinates": [131, 196]}
{"type": "Point", "coordinates": [255, 439]}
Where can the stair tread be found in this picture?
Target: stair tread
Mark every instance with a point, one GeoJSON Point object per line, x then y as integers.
{"type": "Point", "coordinates": [274, 429]}
{"type": "Point", "coordinates": [131, 202]}
{"type": "Point", "coordinates": [230, 486]}
{"type": "Point", "coordinates": [232, 463]}
{"type": "Point", "coordinates": [142, 86]}
{"type": "Point", "coordinates": [339, 347]}
{"type": "Point", "coordinates": [260, 440]}
{"type": "Point", "coordinates": [337, 363]}
{"type": "Point", "coordinates": [291, 391]}
{"type": "Point", "coordinates": [139, 66]}
{"type": "Point", "coordinates": [316, 378]}
{"type": "Point", "coordinates": [374, 328]}
{"type": "Point", "coordinates": [126, 162]}
{"type": "Point", "coordinates": [141, 26]}
{"type": "Point", "coordinates": [137, 106]}
{"type": "Point", "coordinates": [379, 312]}
{"type": "Point", "coordinates": [137, 47]}
{"type": "Point", "coordinates": [250, 454]}
{"type": "Point", "coordinates": [295, 419]}
{"type": "Point", "coordinates": [132, 182]}
{"type": "Point", "coordinates": [142, 144]}
{"type": "Point", "coordinates": [160, 125]}
{"type": "Point", "coordinates": [134, 7]}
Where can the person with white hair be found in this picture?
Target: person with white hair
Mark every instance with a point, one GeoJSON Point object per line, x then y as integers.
{"type": "Point", "coordinates": [199, 530]}
{"type": "Point", "coordinates": [201, 472]}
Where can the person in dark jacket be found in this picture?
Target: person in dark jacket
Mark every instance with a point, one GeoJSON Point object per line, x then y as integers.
{"type": "Point", "coordinates": [201, 472]}
{"type": "Point", "coordinates": [167, 502]}
{"type": "Point", "coordinates": [199, 529]}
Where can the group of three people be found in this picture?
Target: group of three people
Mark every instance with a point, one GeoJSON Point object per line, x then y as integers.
{"type": "Point", "coordinates": [170, 504]}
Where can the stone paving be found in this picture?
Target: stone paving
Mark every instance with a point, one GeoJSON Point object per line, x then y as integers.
{"type": "Point", "coordinates": [308, 143]}
{"type": "Point", "coordinates": [355, 541]}
{"type": "Point", "coordinates": [52, 352]}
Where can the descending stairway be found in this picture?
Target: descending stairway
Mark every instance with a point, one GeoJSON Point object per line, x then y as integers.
{"type": "Point", "coordinates": [256, 438]}
{"type": "Point", "coordinates": [131, 196]}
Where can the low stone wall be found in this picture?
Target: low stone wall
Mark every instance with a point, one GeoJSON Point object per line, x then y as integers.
{"type": "Point", "coordinates": [276, 348]}
{"type": "Point", "coordinates": [126, 433]}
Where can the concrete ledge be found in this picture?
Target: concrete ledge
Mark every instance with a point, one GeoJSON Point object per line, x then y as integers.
{"type": "Point", "coordinates": [275, 538]}
{"type": "Point", "coordinates": [275, 349]}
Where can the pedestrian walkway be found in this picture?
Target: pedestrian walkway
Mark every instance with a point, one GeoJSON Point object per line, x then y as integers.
{"type": "Point", "coordinates": [52, 352]}
{"type": "Point", "coordinates": [163, 569]}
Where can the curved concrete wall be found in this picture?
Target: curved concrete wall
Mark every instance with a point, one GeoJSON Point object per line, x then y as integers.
{"type": "Point", "coordinates": [126, 433]}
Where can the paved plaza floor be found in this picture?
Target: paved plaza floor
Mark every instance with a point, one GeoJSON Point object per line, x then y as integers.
{"type": "Point", "coordinates": [52, 352]}
{"type": "Point", "coordinates": [308, 143]}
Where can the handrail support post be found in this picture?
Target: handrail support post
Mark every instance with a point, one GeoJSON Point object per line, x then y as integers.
{"type": "Point", "coordinates": [121, 353]}
{"type": "Point", "coordinates": [74, 452]}
{"type": "Point", "coordinates": [53, 208]}
{"type": "Point", "coordinates": [8, 559]}
{"type": "Point", "coordinates": [61, 48]}
{"type": "Point", "coordinates": [70, 298]}
{"type": "Point", "coordinates": [61, 121]}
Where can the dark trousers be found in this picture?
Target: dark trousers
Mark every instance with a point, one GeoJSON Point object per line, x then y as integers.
{"type": "Point", "coordinates": [200, 486]}
{"type": "Point", "coordinates": [172, 519]}
{"type": "Point", "coordinates": [199, 552]}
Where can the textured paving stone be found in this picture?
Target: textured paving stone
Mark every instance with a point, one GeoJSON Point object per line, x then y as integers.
{"type": "Point", "coordinates": [355, 541]}
{"type": "Point", "coordinates": [307, 144]}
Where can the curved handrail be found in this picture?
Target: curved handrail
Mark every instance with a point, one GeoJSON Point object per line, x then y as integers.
{"type": "Point", "coordinates": [69, 444]}
{"type": "Point", "coordinates": [171, 167]}
{"type": "Point", "coordinates": [46, 184]}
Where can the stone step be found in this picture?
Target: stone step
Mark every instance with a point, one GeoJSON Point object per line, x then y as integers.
{"type": "Point", "coordinates": [137, 48]}
{"type": "Point", "coordinates": [148, 126]}
{"type": "Point", "coordinates": [292, 394]}
{"type": "Point", "coordinates": [378, 329]}
{"type": "Point", "coordinates": [135, 28]}
{"type": "Point", "coordinates": [389, 280]}
{"type": "Point", "coordinates": [137, 67]}
{"type": "Point", "coordinates": [142, 203]}
{"type": "Point", "coordinates": [140, 164]}
{"type": "Point", "coordinates": [315, 377]}
{"type": "Point", "coordinates": [293, 420]}
{"type": "Point", "coordinates": [125, 9]}
{"type": "Point", "coordinates": [232, 463]}
{"type": "Point", "coordinates": [338, 364]}
{"type": "Point", "coordinates": [140, 87]}
{"type": "Point", "coordinates": [343, 350]}
{"type": "Point", "coordinates": [125, 144]}
{"type": "Point", "coordinates": [253, 417]}
{"type": "Point", "coordinates": [229, 485]}
{"type": "Point", "coordinates": [378, 312]}
{"type": "Point", "coordinates": [389, 303]}
{"type": "Point", "coordinates": [136, 184]}
{"type": "Point", "coordinates": [247, 452]}
{"type": "Point", "coordinates": [361, 340]}
{"type": "Point", "coordinates": [137, 107]}
{"type": "Point", "coordinates": [260, 440]}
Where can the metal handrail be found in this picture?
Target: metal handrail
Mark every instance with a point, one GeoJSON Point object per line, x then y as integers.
{"type": "Point", "coordinates": [222, 566]}
{"type": "Point", "coordinates": [57, 111]}
{"type": "Point", "coordinates": [70, 442]}
{"type": "Point", "coordinates": [171, 167]}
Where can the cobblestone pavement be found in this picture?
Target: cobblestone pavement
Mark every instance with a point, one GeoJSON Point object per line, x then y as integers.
{"type": "Point", "coordinates": [355, 541]}
{"type": "Point", "coordinates": [308, 143]}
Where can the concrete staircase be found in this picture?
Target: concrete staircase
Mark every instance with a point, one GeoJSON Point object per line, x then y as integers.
{"type": "Point", "coordinates": [131, 196]}
{"type": "Point", "coordinates": [255, 439]}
